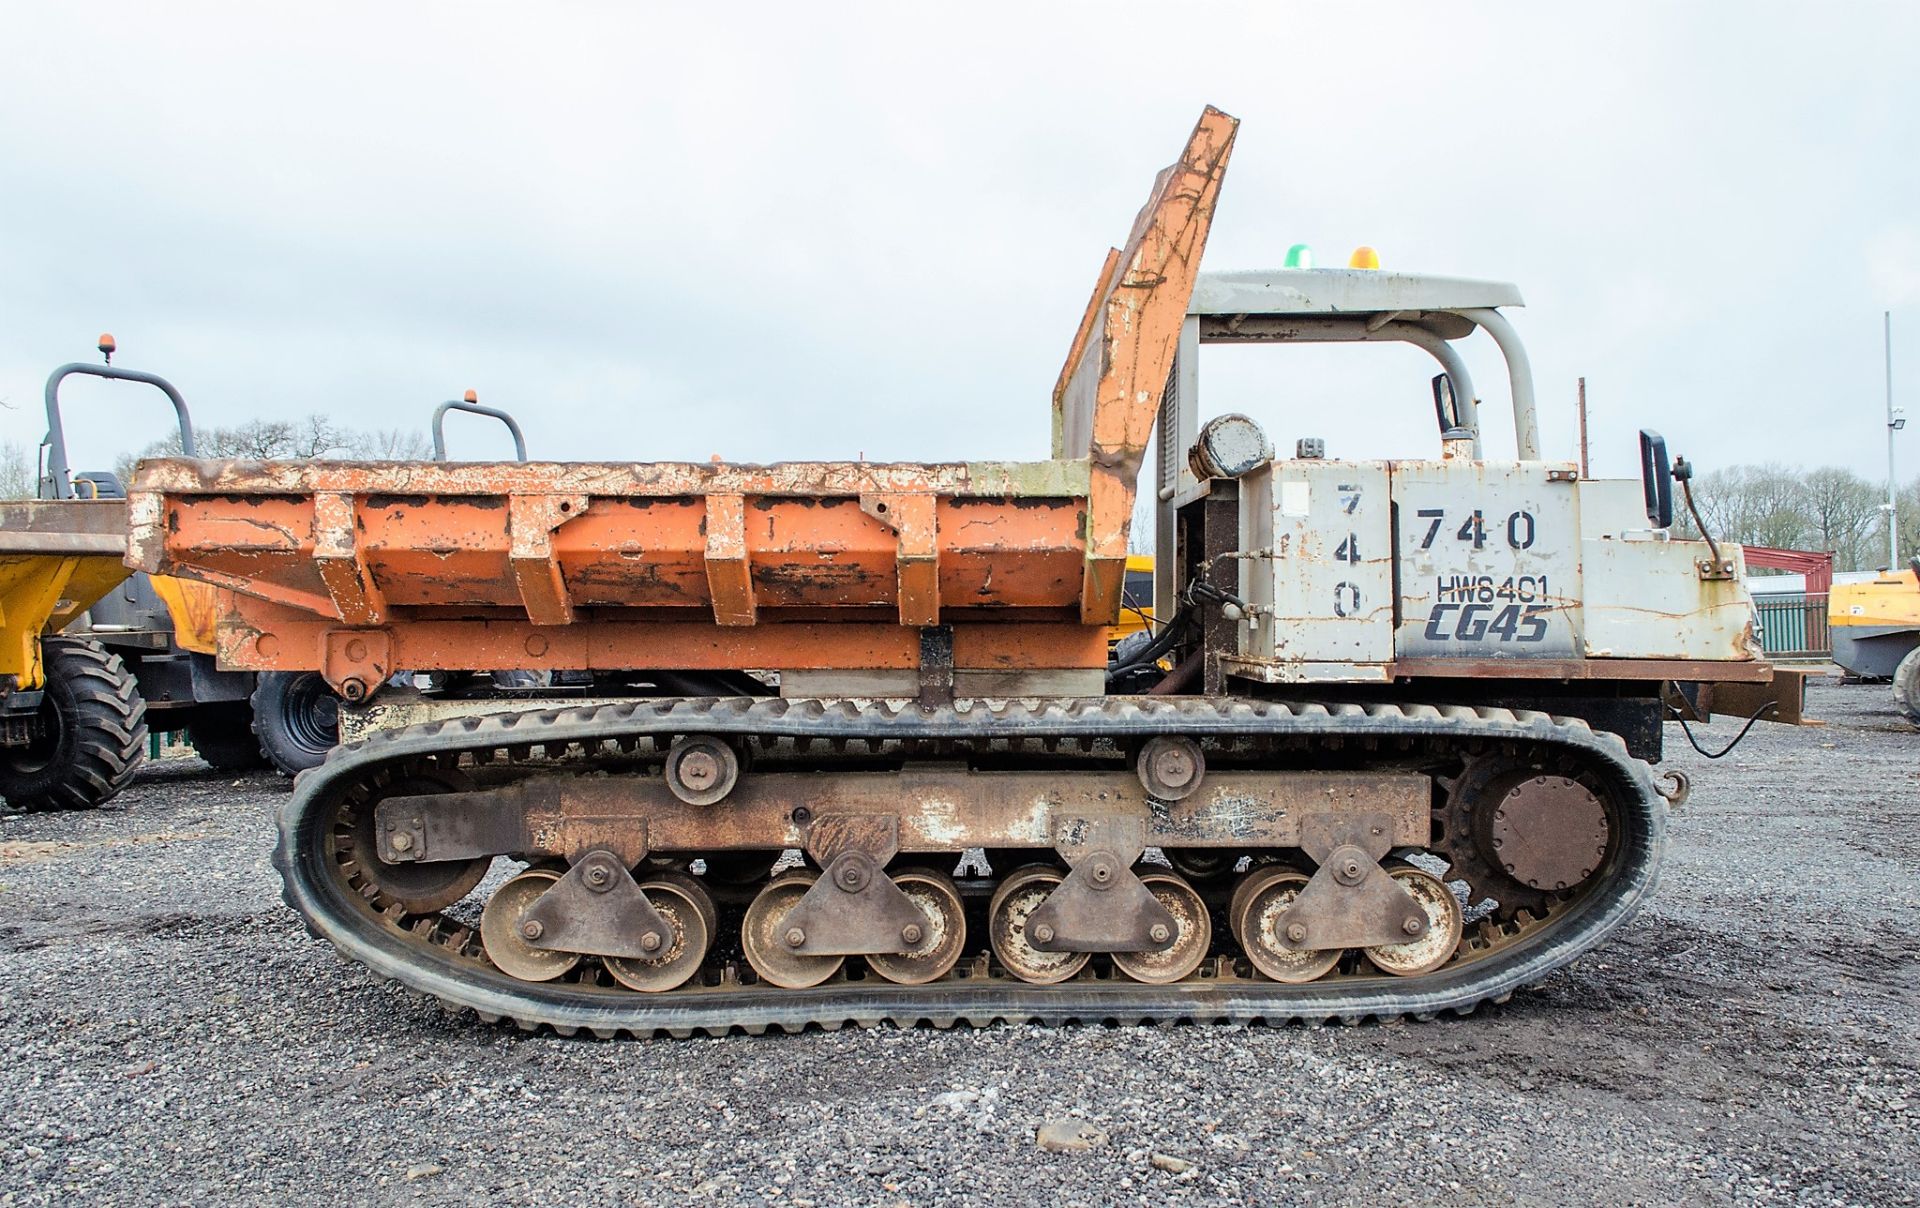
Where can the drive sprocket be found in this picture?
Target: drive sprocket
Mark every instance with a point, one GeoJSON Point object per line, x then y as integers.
{"type": "Point", "coordinates": [1464, 816]}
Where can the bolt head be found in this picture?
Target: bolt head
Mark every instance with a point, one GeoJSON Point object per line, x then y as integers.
{"type": "Point", "coordinates": [1173, 766]}
{"type": "Point", "coordinates": [912, 933]}
{"type": "Point", "coordinates": [1043, 934]}
{"type": "Point", "coordinates": [795, 937]}
{"type": "Point", "coordinates": [1159, 934]}
{"type": "Point", "coordinates": [532, 930]}
{"type": "Point", "coordinates": [699, 769]}
{"type": "Point", "coordinates": [651, 941]}
{"type": "Point", "coordinates": [403, 842]}
{"type": "Point", "coordinates": [1101, 873]}
{"type": "Point", "coordinates": [1412, 925]}
{"type": "Point", "coordinates": [1296, 933]}
{"type": "Point", "coordinates": [598, 877]}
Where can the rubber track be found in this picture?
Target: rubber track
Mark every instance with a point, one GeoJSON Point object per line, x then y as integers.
{"type": "Point", "coordinates": [312, 888]}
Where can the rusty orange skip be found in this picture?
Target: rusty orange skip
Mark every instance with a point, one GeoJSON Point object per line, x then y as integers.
{"type": "Point", "coordinates": [357, 569]}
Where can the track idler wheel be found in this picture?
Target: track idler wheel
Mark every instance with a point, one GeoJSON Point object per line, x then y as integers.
{"type": "Point", "coordinates": [770, 945]}
{"type": "Point", "coordinates": [509, 935]}
{"type": "Point", "coordinates": [1259, 900]}
{"type": "Point", "coordinates": [943, 935]}
{"type": "Point", "coordinates": [420, 887]}
{"type": "Point", "coordinates": [1444, 926]}
{"type": "Point", "coordinates": [1193, 933]}
{"type": "Point", "coordinates": [687, 910]}
{"type": "Point", "coordinates": [1019, 895]}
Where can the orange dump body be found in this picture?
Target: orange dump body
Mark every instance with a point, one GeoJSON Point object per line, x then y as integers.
{"type": "Point", "coordinates": [803, 566]}
{"type": "Point", "coordinates": [359, 569]}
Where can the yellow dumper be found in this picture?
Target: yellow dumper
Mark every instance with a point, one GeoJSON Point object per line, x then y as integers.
{"type": "Point", "coordinates": [1876, 632]}
{"type": "Point", "coordinates": [72, 724]}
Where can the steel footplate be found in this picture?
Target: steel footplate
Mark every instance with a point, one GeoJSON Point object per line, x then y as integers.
{"type": "Point", "coordinates": [418, 953]}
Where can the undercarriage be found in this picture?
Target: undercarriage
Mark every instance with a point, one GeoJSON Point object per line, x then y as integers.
{"type": "Point", "coordinates": [703, 865]}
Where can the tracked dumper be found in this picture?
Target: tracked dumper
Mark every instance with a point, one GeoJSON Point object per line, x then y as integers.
{"type": "Point", "coordinates": [921, 791]}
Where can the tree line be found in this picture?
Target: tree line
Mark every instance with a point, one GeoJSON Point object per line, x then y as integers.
{"type": "Point", "coordinates": [316, 436]}
{"type": "Point", "coordinates": [1829, 509]}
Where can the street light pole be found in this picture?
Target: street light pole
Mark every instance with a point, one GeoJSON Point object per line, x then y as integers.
{"type": "Point", "coordinates": [1896, 420]}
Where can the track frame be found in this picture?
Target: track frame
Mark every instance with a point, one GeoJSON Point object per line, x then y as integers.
{"type": "Point", "coordinates": [414, 951]}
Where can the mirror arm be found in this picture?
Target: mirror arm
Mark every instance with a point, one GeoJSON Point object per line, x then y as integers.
{"type": "Point", "coordinates": [1683, 474]}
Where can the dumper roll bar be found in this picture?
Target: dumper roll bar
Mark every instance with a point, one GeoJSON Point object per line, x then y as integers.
{"type": "Point", "coordinates": [58, 477]}
{"type": "Point", "coordinates": [473, 408]}
{"type": "Point", "coordinates": [1338, 306]}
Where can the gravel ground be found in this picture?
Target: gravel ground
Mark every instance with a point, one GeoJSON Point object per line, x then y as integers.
{"type": "Point", "coordinates": [174, 1036]}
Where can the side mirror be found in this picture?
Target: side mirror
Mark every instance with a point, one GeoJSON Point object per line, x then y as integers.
{"type": "Point", "coordinates": [1445, 407]}
{"type": "Point", "coordinates": [1656, 478]}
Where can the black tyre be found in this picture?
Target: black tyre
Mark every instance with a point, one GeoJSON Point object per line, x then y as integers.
{"type": "Point", "coordinates": [93, 732]}
{"type": "Point", "coordinates": [296, 717]}
{"type": "Point", "coordinates": [223, 735]}
{"type": "Point", "coordinates": [1906, 686]}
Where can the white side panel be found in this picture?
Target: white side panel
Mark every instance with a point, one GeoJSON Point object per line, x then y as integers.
{"type": "Point", "coordinates": [1489, 561]}
{"type": "Point", "coordinates": [1646, 600]}
{"type": "Point", "coordinates": [1610, 507]}
{"type": "Point", "coordinates": [1331, 573]}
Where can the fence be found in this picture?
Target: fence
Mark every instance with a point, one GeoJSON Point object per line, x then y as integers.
{"type": "Point", "coordinates": [1794, 626]}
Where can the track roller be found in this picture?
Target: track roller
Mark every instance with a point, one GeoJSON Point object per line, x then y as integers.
{"type": "Point", "coordinates": [769, 949]}
{"type": "Point", "coordinates": [1444, 926]}
{"type": "Point", "coordinates": [1019, 895]}
{"type": "Point", "coordinates": [1192, 935]}
{"type": "Point", "coordinates": [943, 936]}
{"type": "Point", "coordinates": [683, 904]}
{"type": "Point", "coordinates": [508, 934]}
{"type": "Point", "coordinates": [1261, 897]}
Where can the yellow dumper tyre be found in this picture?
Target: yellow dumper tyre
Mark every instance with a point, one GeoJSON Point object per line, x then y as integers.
{"type": "Point", "coordinates": [93, 732]}
{"type": "Point", "coordinates": [296, 717]}
{"type": "Point", "coordinates": [222, 734]}
{"type": "Point", "coordinates": [1906, 686]}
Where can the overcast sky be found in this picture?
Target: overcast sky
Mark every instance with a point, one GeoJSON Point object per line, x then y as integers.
{"type": "Point", "coordinates": [778, 233]}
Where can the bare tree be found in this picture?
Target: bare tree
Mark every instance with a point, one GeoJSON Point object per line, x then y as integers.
{"type": "Point", "coordinates": [1829, 508]}
{"type": "Point", "coordinates": [315, 436]}
{"type": "Point", "coordinates": [1909, 500]}
{"type": "Point", "coordinates": [389, 444]}
{"type": "Point", "coordinates": [19, 475]}
{"type": "Point", "coordinates": [1840, 510]}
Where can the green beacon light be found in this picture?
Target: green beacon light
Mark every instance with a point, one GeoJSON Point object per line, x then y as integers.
{"type": "Point", "coordinates": [1299, 256]}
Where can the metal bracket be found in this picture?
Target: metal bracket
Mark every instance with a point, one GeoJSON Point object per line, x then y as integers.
{"type": "Point", "coordinates": [1351, 902]}
{"type": "Point", "coordinates": [356, 662]}
{"type": "Point", "coordinates": [467, 826]}
{"type": "Point", "coordinates": [1101, 906]}
{"type": "Point", "coordinates": [854, 908]}
{"type": "Point", "coordinates": [598, 909]}
{"type": "Point", "coordinates": [1714, 572]}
